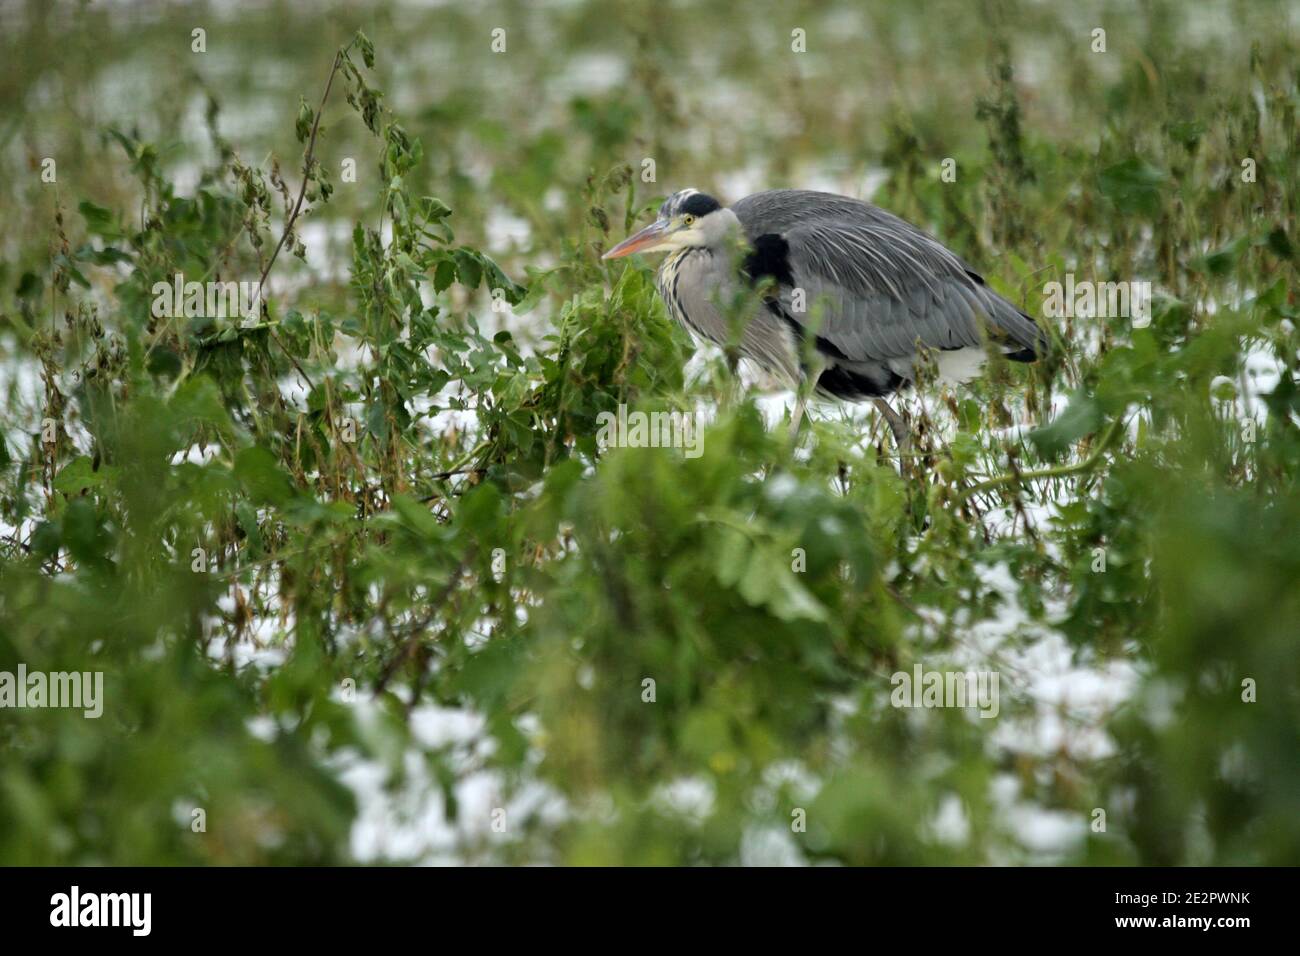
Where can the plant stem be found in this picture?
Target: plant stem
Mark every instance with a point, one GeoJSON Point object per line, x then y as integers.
{"type": "Point", "coordinates": [1059, 471]}
{"type": "Point", "coordinates": [307, 159]}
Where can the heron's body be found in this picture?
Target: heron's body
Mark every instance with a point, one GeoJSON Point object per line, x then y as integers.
{"type": "Point", "coordinates": [871, 292]}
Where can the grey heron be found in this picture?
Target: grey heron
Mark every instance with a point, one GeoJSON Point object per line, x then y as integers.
{"type": "Point", "coordinates": [852, 297]}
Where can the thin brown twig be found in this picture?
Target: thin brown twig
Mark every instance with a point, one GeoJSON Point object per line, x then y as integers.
{"type": "Point", "coordinates": [309, 157]}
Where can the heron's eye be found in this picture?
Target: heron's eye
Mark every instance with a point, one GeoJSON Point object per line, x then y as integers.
{"type": "Point", "coordinates": [688, 219]}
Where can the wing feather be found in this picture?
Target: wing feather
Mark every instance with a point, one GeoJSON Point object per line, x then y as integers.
{"type": "Point", "coordinates": [874, 285]}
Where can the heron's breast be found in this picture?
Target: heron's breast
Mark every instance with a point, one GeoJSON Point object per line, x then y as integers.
{"type": "Point", "coordinates": [682, 286]}
{"type": "Point", "coordinates": [694, 282]}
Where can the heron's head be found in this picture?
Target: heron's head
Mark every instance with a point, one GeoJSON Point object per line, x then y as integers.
{"type": "Point", "coordinates": [687, 218]}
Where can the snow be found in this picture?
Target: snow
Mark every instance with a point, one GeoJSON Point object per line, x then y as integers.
{"type": "Point", "coordinates": [410, 820]}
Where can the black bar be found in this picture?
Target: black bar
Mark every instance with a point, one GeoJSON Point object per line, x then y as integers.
{"type": "Point", "coordinates": [364, 905]}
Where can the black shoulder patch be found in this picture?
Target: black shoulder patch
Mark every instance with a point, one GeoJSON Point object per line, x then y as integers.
{"type": "Point", "coordinates": [769, 257]}
{"type": "Point", "coordinates": [699, 204]}
{"type": "Point", "coordinates": [846, 384]}
{"type": "Point", "coordinates": [979, 279]}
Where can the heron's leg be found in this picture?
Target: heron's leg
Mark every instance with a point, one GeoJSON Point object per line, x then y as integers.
{"type": "Point", "coordinates": [796, 416]}
{"type": "Point", "coordinates": [902, 438]}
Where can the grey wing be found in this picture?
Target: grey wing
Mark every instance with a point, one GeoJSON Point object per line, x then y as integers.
{"type": "Point", "coordinates": [875, 285]}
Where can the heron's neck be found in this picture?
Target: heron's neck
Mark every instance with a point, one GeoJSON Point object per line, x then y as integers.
{"type": "Point", "coordinates": [727, 227]}
{"type": "Point", "coordinates": [669, 265]}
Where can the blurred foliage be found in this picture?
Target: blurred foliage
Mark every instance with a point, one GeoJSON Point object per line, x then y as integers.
{"type": "Point", "coordinates": [283, 539]}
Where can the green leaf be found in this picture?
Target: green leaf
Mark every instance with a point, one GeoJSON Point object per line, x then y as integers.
{"type": "Point", "coordinates": [247, 516]}
{"type": "Point", "coordinates": [433, 208]}
{"type": "Point", "coordinates": [1081, 417]}
{"type": "Point", "coordinates": [1133, 185]}
{"type": "Point", "coordinates": [444, 275]}
{"type": "Point", "coordinates": [259, 472]}
{"type": "Point", "coordinates": [99, 221]}
{"type": "Point", "coordinates": [417, 517]}
{"type": "Point", "coordinates": [469, 270]}
{"type": "Point", "coordinates": [1223, 260]}
{"type": "Point", "coordinates": [79, 475]}
{"type": "Point", "coordinates": [30, 286]}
